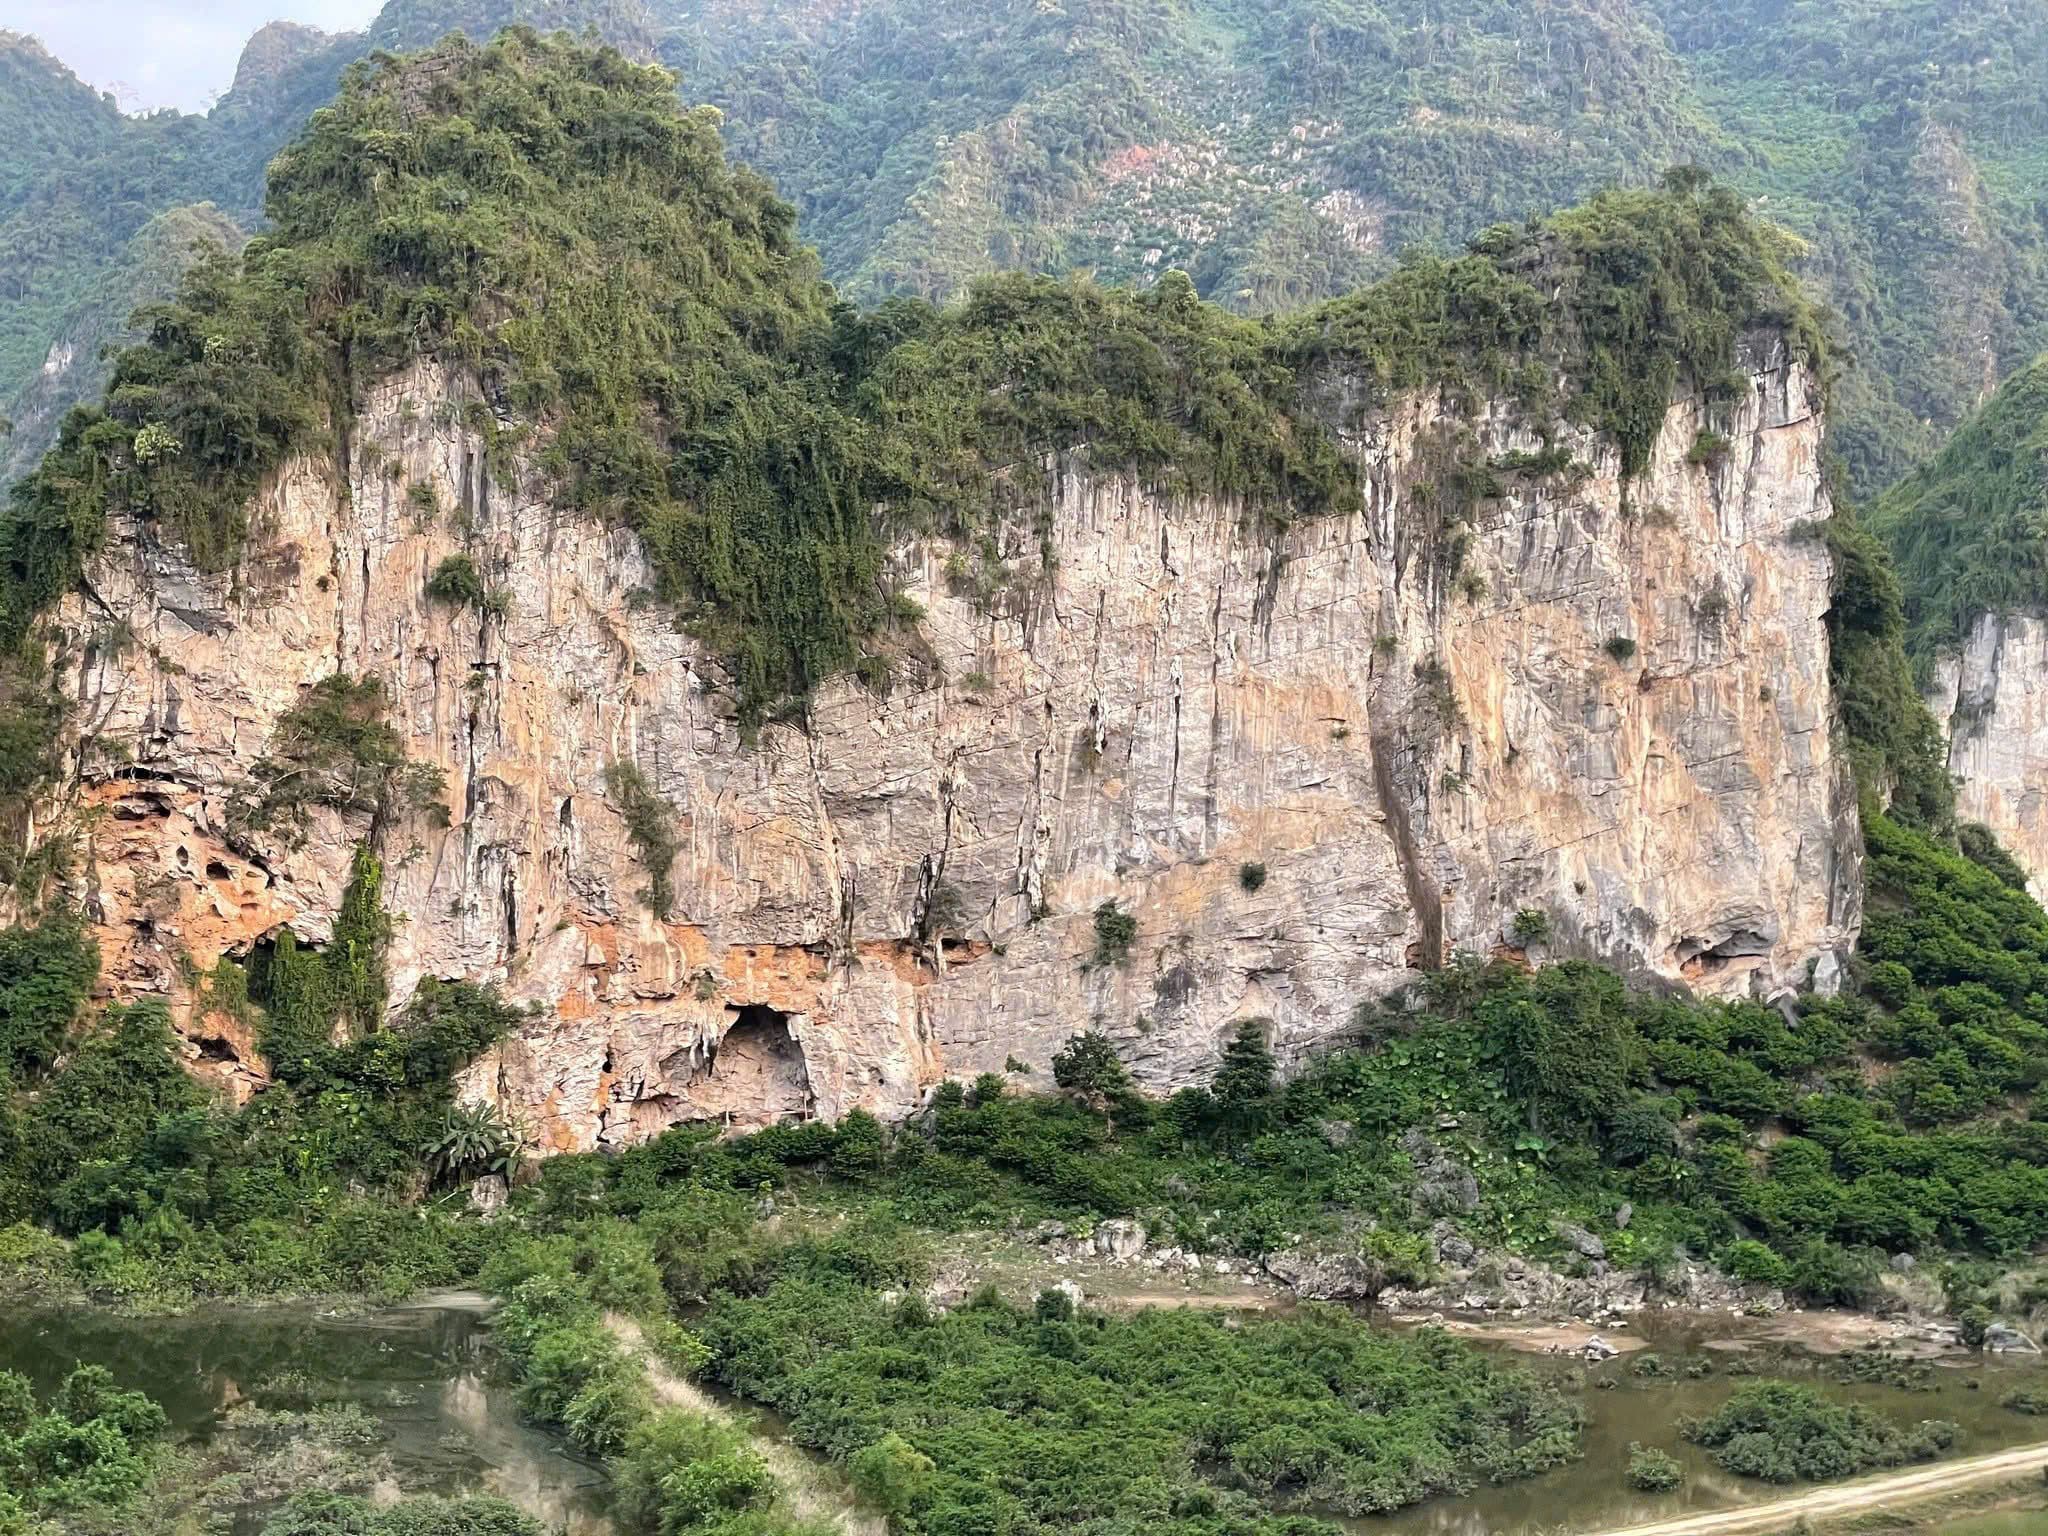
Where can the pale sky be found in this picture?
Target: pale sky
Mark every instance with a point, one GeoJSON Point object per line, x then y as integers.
{"type": "Point", "coordinates": [165, 53]}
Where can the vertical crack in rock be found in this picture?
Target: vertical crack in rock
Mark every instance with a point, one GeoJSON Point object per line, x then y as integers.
{"type": "Point", "coordinates": [840, 880]}
{"type": "Point", "coordinates": [1423, 894]}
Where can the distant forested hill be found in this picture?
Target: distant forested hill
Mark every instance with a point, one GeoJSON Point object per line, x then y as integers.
{"type": "Point", "coordinates": [1277, 150]}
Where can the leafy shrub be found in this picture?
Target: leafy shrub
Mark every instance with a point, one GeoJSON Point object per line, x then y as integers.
{"type": "Point", "coordinates": [1251, 877]}
{"type": "Point", "coordinates": [46, 974]}
{"type": "Point", "coordinates": [1782, 1432]}
{"type": "Point", "coordinates": [2032, 1401]}
{"type": "Point", "coordinates": [1620, 647]}
{"type": "Point", "coordinates": [334, 748]}
{"type": "Point", "coordinates": [1651, 1470]}
{"type": "Point", "coordinates": [89, 1449]}
{"type": "Point", "coordinates": [1753, 1263]}
{"type": "Point", "coordinates": [651, 824]}
{"type": "Point", "coordinates": [337, 1514]}
{"type": "Point", "coordinates": [1531, 926]}
{"type": "Point", "coordinates": [1115, 930]}
{"type": "Point", "coordinates": [457, 582]}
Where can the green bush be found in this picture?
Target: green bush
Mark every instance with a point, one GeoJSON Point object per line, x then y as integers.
{"type": "Point", "coordinates": [88, 1450]}
{"type": "Point", "coordinates": [1115, 930]}
{"type": "Point", "coordinates": [46, 974]}
{"type": "Point", "coordinates": [1753, 1263]}
{"type": "Point", "coordinates": [1251, 877]}
{"type": "Point", "coordinates": [335, 748]}
{"type": "Point", "coordinates": [1651, 1470]}
{"type": "Point", "coordinates": [1783, 1432]}
{"type": "Point", "coordinates": [1123, 1404]}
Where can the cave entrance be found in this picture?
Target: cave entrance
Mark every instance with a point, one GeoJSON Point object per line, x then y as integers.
{"type": "Point", "coordinates": [757, 1074]}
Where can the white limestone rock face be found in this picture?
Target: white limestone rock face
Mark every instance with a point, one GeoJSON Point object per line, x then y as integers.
{"type": "Point", "coordinates": [1415, 754]}
{"type": "Point", "coordinates": [1991, 700]}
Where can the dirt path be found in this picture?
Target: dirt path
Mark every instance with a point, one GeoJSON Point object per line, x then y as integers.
{"type": "Point", "coordinates": [813, 1492]}
{"type": "Point", "coordinates": [1893, 1489]}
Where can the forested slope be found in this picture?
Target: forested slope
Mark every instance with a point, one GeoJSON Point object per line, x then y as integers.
{"type": "Point", "coordinates": [1278, 153]}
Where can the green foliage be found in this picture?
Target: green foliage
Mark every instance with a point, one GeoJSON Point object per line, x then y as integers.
{"type": "Point", "coordinates": [1115, 930]}
{"type": "Point", "coordinates": [172, 1195]}
{"type": "Point", "coordinates": [1088, 1067]}
{"type": "Point", "coordinates": [89, 1449]}
{"type": "Point", "coordinates": [308, 997]}
{"type": "Point", "coordinates": [1659, 288]}
{"type": "Point", "coordinates": [457, 582]}
{"type": "Point", "coordinates": [335, 748]}
{"type": "Point", "coordinates": [337, 1514]}
{"type": "Point", "coordinates": [1754, 1263]}
{"type": "Point", "coordinates": [2031, 1401]}
{"type": "Point", "coordinates": [46, 974]}
{"type": "Point", "coordinates": [475, 1138]}
{"type": "Point", "coordinates": [1154, 1413]}
{"type": "Point", "coordinates": [1894, 744]}
{"type": "Point", "coordinates": [1969, 530]}
{"type": "Point", "coordinates": [651, 824]}
{"type": "Point", "coordinates": [1783, 1432]}
{"type": "Point", "coordinates": [1710, 448]}
{"type": "Point", "coordinates": [1567, 1049]}
{"type": "Point", "coordinates": [1621, 648]}
{"type": "Point", "coordinates": [1251, 877]}
{"type": "Point", "coordinates": [1242, 1089]}
{"type": "Point", "coordinates": [686, 1473]}
{"type": "Point", "coordinates": [1651, 1470]}
{"type": "Point", "coordinates": [572, 1371]}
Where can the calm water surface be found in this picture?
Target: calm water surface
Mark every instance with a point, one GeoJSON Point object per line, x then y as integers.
{"type": "Point", "coordinates": [423, 1372]}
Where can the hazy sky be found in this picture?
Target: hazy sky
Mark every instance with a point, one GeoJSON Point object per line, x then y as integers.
{"type": "Point", "coordinates": [165, 53]}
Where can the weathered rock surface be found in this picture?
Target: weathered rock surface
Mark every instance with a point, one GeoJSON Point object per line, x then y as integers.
{"type": "Point", "coordinates": [1414, 757]}
{"type": "Point", "coordinates": [1992, 702]}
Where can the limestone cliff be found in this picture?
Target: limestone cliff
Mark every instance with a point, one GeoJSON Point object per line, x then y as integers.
{"type": "Point", "coordinates": [1991, 700]}
{"type": "Point", "coordinates": [899, 888]}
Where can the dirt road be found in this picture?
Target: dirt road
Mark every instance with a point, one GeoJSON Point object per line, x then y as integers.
{"type": "Point", "coordinates": [815, 1493]}
{"type": "Point", "coordinates": [1887, 1492]}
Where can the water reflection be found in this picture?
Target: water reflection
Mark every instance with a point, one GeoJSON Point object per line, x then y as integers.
{"type": "Point", "coordinates": [422, 1373]}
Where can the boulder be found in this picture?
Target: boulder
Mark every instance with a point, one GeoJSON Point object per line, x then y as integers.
{"type": "Point", "coordinates": [1120, 1240]}
{"type": "Point", "coordinates": [1453, 1247]}
{"type": "Point", "coordinates": [2001, 1340]}
{"type": "Point", "coordinates": [1579, 1240]}
{"type": "Point", "coordinates": [1443, 1185]}
{"type": "Point", "coordinates": [488, 1194]}
{"type": "Point", "coordinates": [1320, 1274]}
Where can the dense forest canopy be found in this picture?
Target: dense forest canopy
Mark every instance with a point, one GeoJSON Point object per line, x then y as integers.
{"type": "Point", "coordinates": [1277, 153]}
{"type": "Point", "coordinates": [1969, 531]}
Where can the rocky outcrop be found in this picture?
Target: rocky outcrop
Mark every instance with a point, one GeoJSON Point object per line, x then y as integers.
{"type": "Point", "coordinates": [1991, 700]}
{"type": "Point", "coordinates": [898, 887]}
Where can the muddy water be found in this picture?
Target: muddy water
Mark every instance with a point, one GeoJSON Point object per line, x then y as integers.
{"type": "Point", "coordinates": [422, 1372]}
{"type": "Point", "coordinates": [1623, 1406]}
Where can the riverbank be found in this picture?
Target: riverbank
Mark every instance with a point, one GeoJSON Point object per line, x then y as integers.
{"type": "Point", "coordinates": [1890, 1493]}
